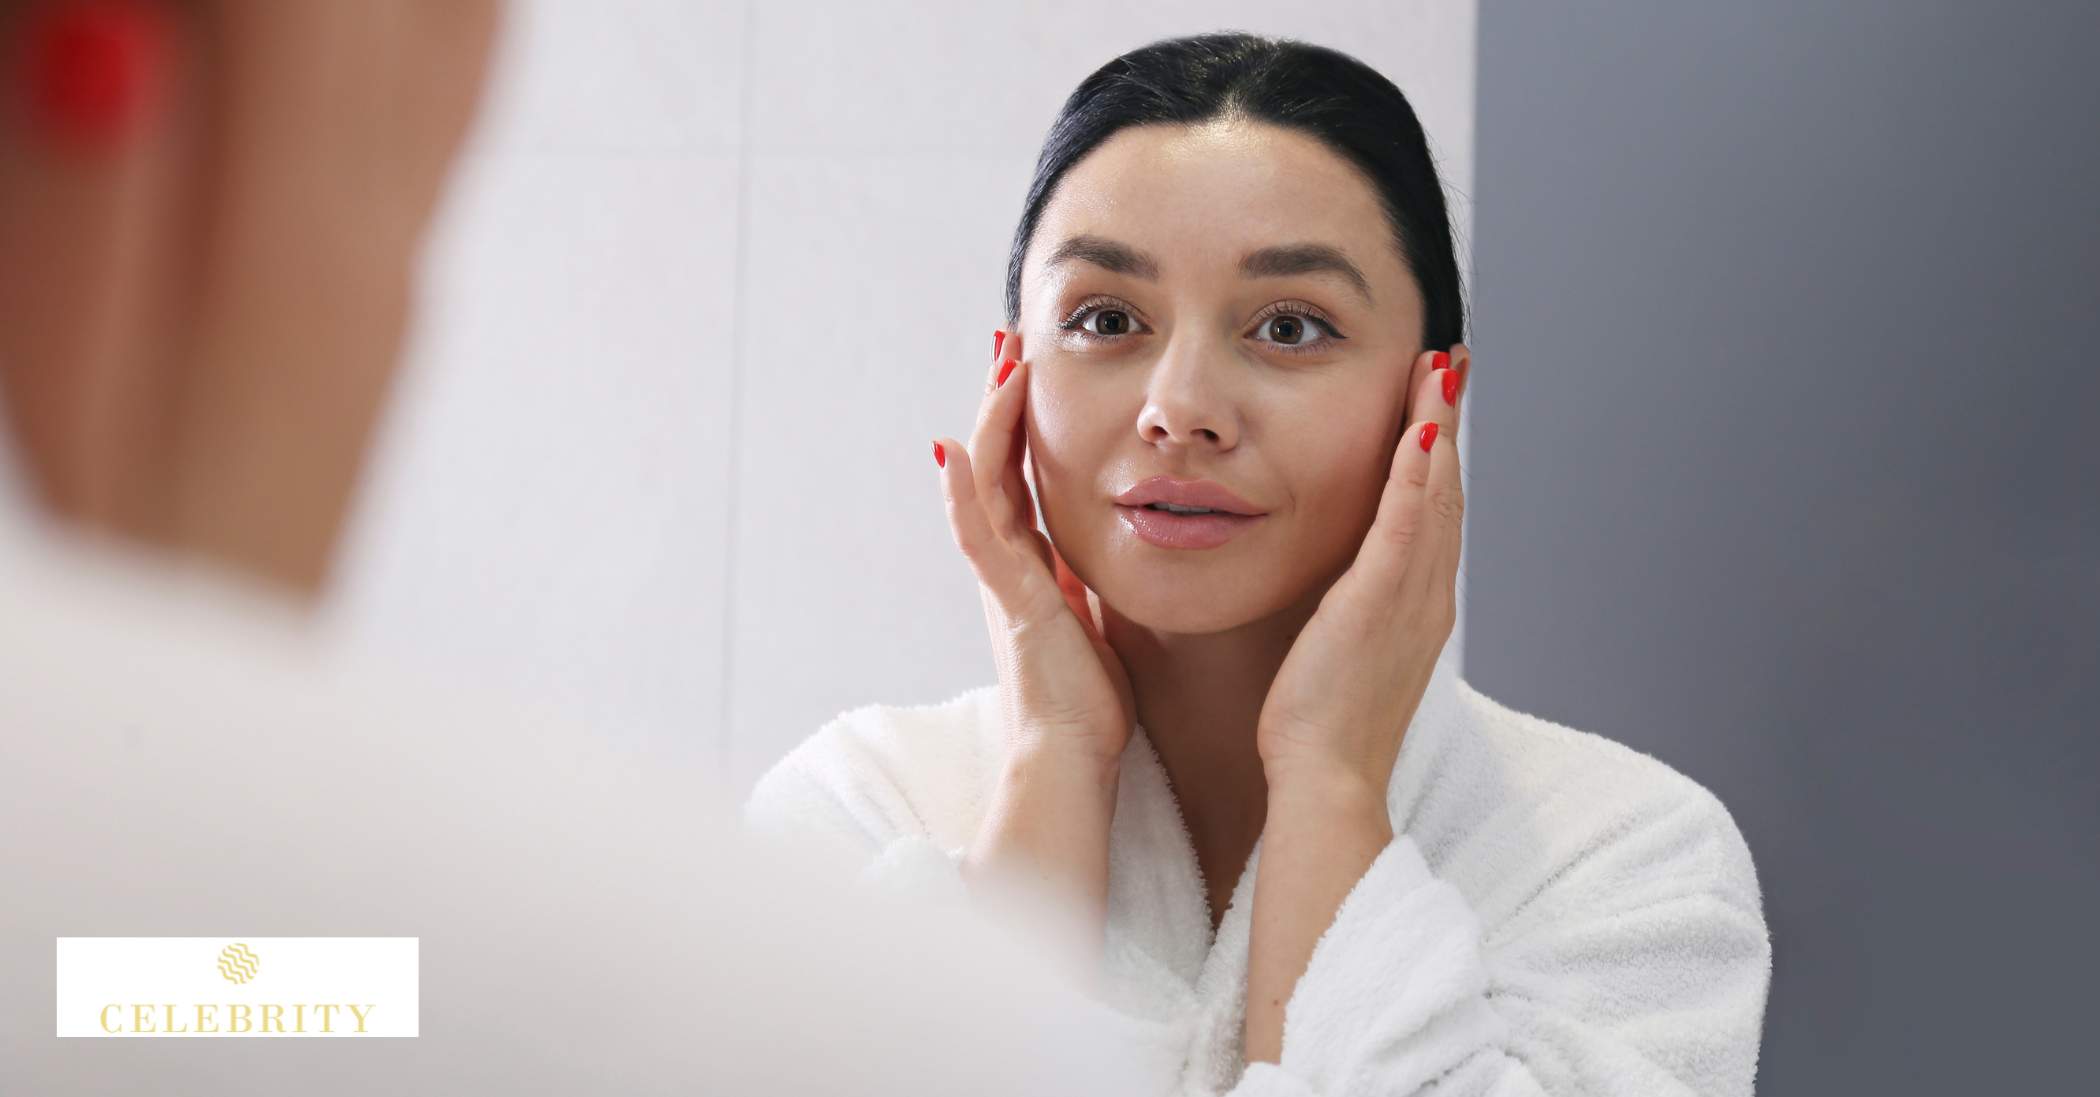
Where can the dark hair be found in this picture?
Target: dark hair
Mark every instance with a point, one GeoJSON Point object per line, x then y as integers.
{"type": "Point", "coordinates": [1325, 93]}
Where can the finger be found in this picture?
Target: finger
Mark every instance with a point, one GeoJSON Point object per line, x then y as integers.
{"type": "Point", "coordinates": [1039, 543]}
{"type": "Point", "coordinates": [981, 545]}
{"type": "Point", "coordinates": [90, 181]}
{"type": "Point", "coordinates": [1398, 529]}
{"type": "Point", "coordinates": [1074, 590]}
{"type": "Point", "coordinates": [1462, 364]}
{"type": "Point", "coordinates": [1013, 476]}
{"type": "Point", "coordinates": [1015, 480]}
{"type": "Point", "coordinates": [992, 443]}
{"type": "Point", "coordinates": [1436, 393]}
{"type": "Point", "coordinates": [1444, 507]}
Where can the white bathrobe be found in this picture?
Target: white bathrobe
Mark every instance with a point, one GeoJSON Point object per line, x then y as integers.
{"type": "Point", "coordinates": [1557, 913]}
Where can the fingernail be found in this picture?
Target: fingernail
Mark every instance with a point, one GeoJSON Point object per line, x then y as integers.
{"type": "Point", "coordinates": [998, 341]}
{"type": "Point", "coordinates": [1451, 387]}
{"type": "Point", "coordinates": [1428, 436]}
{"type": "Point", "coordinates": [940, 456]}
{"type": "Point", "coordinates": [1007, 369]}
{"type": "Point", "coordinates": [90, 67]}
{"type": "Point", "coordinates": [1440, 360]}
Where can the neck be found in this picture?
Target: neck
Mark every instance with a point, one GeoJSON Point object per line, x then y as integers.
{"type": "Point", "coordinates": [1199, 698]}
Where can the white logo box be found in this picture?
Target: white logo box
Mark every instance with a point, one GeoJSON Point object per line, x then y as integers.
{"type": "Point", "coordinates": [238, 986]}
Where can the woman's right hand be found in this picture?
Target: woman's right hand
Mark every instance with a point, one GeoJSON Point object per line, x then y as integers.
{"type": "Point", "coordinates": [1041, 854]}
{"type": "Point", "coordinates": [1065, 696]}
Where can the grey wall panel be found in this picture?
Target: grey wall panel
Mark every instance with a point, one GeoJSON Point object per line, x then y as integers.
{"type": "Point", "coordinates": [1784, 469]}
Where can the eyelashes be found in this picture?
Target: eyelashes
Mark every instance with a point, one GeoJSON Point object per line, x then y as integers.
{"type": "Point", "coordinates": [1074, 322]}
{"type": "Point", "coordinates": [1304, 314]}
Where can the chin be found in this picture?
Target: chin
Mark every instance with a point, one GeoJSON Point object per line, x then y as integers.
{"type": "Point", "coordinates": [1171, 596]}
{"type": "Point", "coordinates": [1186, 620]}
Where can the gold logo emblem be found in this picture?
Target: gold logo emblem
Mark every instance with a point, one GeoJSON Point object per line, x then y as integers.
{"type": "Point", "coordinates": [238, 963]}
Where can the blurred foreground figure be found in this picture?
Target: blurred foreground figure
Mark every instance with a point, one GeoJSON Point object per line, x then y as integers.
{"type": "Point", "coordinates": [209, 214]}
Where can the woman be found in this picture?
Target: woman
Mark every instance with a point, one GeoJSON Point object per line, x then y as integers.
{"type": "Point", "coordinates": [1223, 746]}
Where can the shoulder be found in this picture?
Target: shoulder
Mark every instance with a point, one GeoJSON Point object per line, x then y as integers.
{"type": "Point", "coordinates": [1576, 808]}
{"type": "Point", "coordinates": [886, 770]}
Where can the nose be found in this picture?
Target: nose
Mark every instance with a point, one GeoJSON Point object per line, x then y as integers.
{"type": "Point", "coordinates": [1185, 402]}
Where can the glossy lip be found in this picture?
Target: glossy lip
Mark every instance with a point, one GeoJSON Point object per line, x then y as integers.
{"type": "Point", "coordinates": [1186, 493]}
{"type": "Point", "coordinates": [1162, 529]}
{"type": "Point", "coordinates": [1184, 531]}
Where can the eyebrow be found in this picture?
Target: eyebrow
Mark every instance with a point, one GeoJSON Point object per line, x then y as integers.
{"type": "Point", "coordinates": [1106, 254]}
{"type": "Point", "coordinates": [1285, 260]}
{"type": "Point", "coordinates": [1279, 261]}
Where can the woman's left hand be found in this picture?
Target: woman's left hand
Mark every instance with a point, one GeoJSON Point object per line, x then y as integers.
{"type": "Point", "coordinates": [1334, 716]}
{"type": "Point", "coordinates": [1354, 676]}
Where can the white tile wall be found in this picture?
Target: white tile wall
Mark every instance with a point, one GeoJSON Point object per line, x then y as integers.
{"type": "Point", "coordinates": [709, 279]}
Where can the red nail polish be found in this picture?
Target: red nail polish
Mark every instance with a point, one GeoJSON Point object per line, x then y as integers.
{"type": "Point", "coordinates": [1007, 369]}
{"type": "Point", "coordinates": [998, 341]}
{"type": "Point", "coordinates": [1440, 360]}
{"type": "Point", "coordinates": [940, 456]}
{"type": "Point", "coordinates": [1428, 436]}
{"type": "Point", "coordinates": [91, 66]}
{"type": "Point", "coordinates": [1451, 386]}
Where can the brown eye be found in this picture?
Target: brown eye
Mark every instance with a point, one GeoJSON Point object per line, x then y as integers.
{"type": "Point", "coordinates": [1292, 329]}
{"type": "Point", "coordinates": [1111, 322]}
{"type": "Point", "coordinates": [1102, 321]}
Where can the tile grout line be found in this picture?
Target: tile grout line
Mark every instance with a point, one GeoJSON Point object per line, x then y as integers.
{"type": "Point", "coordinates": [739, 273]}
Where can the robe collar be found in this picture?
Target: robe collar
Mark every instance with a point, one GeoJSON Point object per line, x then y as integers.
{"type": "Point", "coordinates": [1162, 958]}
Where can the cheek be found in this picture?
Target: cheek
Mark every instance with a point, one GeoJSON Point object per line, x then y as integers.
{"type": "Point", "coordinates": [1072, 433]}
{"type": "Point", "coordinates": [1074, 423]}
{"type": "Point", "coordinates": [1343, 473]}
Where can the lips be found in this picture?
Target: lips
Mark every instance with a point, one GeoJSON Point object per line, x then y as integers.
{"type": "Point", "coordinates": [1166, 530]}
{"type": "Point", "coordinates": [1208, 494]}
{"type": "Point", "coordinates": [1229, 514]}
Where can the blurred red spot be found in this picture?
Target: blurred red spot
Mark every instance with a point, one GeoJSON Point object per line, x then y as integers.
{"type": "Point", "coordinates": [90, 65]}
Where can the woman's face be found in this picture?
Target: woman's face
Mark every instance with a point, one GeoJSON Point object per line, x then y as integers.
{"type": "Point", "coordinates": [1159, 350]}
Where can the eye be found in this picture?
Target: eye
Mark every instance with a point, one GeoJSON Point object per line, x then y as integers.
{"type": "Point", "coordinates": [1108, 322]}
{"type": "Point", "coordinates": [1288, 329]}
{"type": "Point", "coordinates": [1099, 320]}
{"type": "Point", "coordinates": [1294, 327]}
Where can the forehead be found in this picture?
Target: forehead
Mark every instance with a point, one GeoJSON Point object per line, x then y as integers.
{"type": "Point", "coordinates": [1200, 197]}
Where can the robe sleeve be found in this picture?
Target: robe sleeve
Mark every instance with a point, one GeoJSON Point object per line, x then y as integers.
{"type": "Point", "coordinates": [793, 807]}
{"type": "Point", "coordinates": [1640, 964]}
{"type": "Point", "coordinates": [885, 850]}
